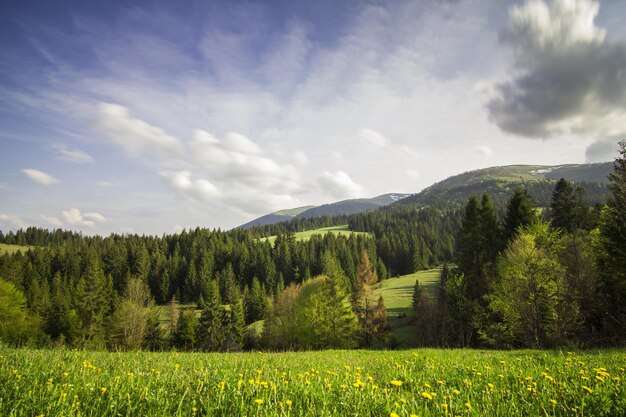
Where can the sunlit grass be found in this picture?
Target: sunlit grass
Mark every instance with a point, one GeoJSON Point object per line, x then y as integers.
{"type": "Point", "coordinates": [306, 235]}
{"type": "Point", "coordinates": [332, 383]}
{"type": "Point", "coordinates": [11, 249]}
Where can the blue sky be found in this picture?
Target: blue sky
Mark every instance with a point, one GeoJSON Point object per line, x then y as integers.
{"type": "Point", "coordinates": [149, 117]}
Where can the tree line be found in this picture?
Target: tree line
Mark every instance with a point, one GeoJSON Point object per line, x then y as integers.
{"type": "Point", "coordinates": [534, 279]}
{"type": "Point", "coordinates": [556, 274]}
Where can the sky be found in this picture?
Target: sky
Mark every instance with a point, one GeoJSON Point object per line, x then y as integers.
{"type": "Point", "coordinates": [153, 116]}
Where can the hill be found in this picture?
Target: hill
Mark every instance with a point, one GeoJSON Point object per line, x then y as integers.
{"type": "Point", "coordinates": [344, 207]}
{"type": "Point", "coordinates": [276, 217]}
{"type": "Point", "coordinates": [306, 235]}
{"type": "Point", "coordinates": [500, 181]}
{"type": "Point", "coordinates": [10, 249]}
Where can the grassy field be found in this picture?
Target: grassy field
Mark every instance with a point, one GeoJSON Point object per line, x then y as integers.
{"type": "Point", "coordinates": [4, 248]}
{"type": "Point", "coordinates": [421, 382]}
{"type": "Point", "coordinates": [398, 295]}
{"type": "Point", "coordinates": [398, 292]}
{"type": "Point", "coordinates": [306, 235]}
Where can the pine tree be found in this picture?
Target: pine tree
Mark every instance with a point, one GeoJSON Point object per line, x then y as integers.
{"type": "Point", "coordinates": [470, 250]}
{"type": "Point", "coordinates": [211, 333]}
{"type": "Point", "coordinates": [237, 328]}
{"type": "Point", "coordinates": [186, 330]}
{"type": "Point", "coordinates": [562, 206]}
{"type": "Point", "coordinates": [520, 211]}
{"type": "Point", "coordinates": [92, 299]}
{"type": "Point", "coordinates": [489, 237]}
{"type": "Point", "coordinates": [613, 240]}
{"type": "Point", "coordinates": [418, 293]}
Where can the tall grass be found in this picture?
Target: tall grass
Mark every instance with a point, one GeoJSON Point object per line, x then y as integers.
{"type": "Point", "coordinates": [331, 383]}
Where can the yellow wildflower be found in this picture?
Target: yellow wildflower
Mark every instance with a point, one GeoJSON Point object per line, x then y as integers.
{"type": "Point", "coordinates": [392, 414]}
{"type": "Point", "coordinates": [258, 401]}
{"type": "Point", "coordinates": [103, 390]}
{"type": "Point", "coordinates": [427, 395]}
{"type": "Point", "coordinates": [553, 401]}
{"type": "Point", "coordinates": [586, 388]}
{"type": "Point", "coordinates": [395, 383]}
{"type": "Point", "coordinates": [289, 402]}
{"type": "Point", "coordinates": [468, 405]}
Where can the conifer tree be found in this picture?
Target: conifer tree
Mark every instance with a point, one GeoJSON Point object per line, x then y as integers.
{"type": "Point", "coordinates": [185, 336]}
{"type": "Point", "coordinates": [562, 206]}
{"type": "Point", "coordinates": [211, 332]}
{"type": "Point", "coordinates": [613, 240]}
{"type": "Point", "coordinates": [520, 211]}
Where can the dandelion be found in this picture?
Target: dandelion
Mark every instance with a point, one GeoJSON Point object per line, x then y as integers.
{"type": "Point", "coordinates": [586, 388]}
{"type": "Point", "coordinates": [553, 401]}
{"type": "Point", "coordinates": [395, 383]}
{"type": "Point", "coordinates": [468, 405]}
{"type": "Point", "coordinates": [258, 401]}
{"type": "Point", "coordinates": [392, 414]}
{"type": "Point", "coordinates": [289, 402]}
{"type": "Point", "coordinates": [358, 384]}
{"type": "Point", "coordinates": [456, 392]}
{"type": "Point", "coordinates": [427, 395]}
{"type": "Point", "coordinates": [103, 390]}
{"type": "Point", "coordinates": [194, 410]}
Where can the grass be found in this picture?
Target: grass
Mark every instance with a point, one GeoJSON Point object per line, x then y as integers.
{"type": "Point", "coordinates": [11, 249]}
{"type": "Point", "coordinates": [398, 292]}
{"type": "Point", "coordinates": [306, 235]}
{"type": "Point", "coordinates": [398, 295]}
{"type": "Point", "coordinates": [423, 382]}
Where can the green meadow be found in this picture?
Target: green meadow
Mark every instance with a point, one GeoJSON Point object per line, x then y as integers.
{"type": "Point", "coordinates": [306, 235]}
{"type": "Point", "coordinates": [11, 249]}
{"type": "Point", "coordinates": [398, 292]}
{"type": "Point", "coordinates": [424, 382]}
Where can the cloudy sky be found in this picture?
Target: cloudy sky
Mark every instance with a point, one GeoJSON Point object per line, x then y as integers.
{"type": "Point", "coordinates": [152, 116]}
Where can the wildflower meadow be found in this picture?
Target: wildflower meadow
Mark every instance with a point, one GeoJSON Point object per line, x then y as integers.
{"type": "Point", "coordinates": [331, 383]}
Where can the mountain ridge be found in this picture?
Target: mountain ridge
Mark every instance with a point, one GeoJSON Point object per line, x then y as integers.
{"type": "Point", "coordinates": [498, 181]}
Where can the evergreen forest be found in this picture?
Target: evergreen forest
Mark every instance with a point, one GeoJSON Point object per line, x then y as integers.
{"type": "Point", "coordinates": [531, 267]}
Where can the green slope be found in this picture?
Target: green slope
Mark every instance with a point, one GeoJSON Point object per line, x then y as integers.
{"type": "Point", "coordinates": [306, 235]}
{"type": "Point", "coordinates": [4, 248]}
{"type": "Point", "coordinates": [292, 212]}
{"type": "Point", "coordinates": [398, 292]}
{"type": "Point", "coordinates": [398, 296]}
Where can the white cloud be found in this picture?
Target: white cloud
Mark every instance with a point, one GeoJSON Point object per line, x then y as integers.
{"type": "Point", "coordinates": [72, 155]}
{"type": "Point", "coordinates": [74, 217]}
{"type": "Point", "coordinates": [411, 173]}
{"type": "Point", "coordinates": [105, 184]}
{"type": "Point", "coordinates": [247, 179]}
{"type": "Point", "coordinates": [135, 135]}
{"type": "Point", "coordinates": [198, 189]}
{"type": "Point", "coordinates": [373, 138]}
{"type": "Point", "coordinates": [95, 217]}
{"type": "Point", "coordinates": [11, 221]}
{"type": "Point", "coordinates": [40, 177]}
{"type": "Point", "coordinates": [53, 221]}
{"type": "Point", "coordinates": [300, 158]}
{"type": "Point", "coordinates": [339, 185]}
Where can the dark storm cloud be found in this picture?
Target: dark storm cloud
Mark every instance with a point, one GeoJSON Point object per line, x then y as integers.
{"type": "Point", "coordinates": [567, 77]}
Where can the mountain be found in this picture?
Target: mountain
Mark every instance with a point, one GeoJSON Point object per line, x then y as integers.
{"type": "Point", "coordinates": [357, 205]}
{"type": "Point", "coordinates": [276, 217]}
{"type": "Point", "coordinates": [343, 207]}
{"type": "Point", "coordinates": [500, 181]}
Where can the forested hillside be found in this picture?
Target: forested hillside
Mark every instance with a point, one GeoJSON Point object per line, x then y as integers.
{"type": "Point", "coordinates": [127, 291]}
